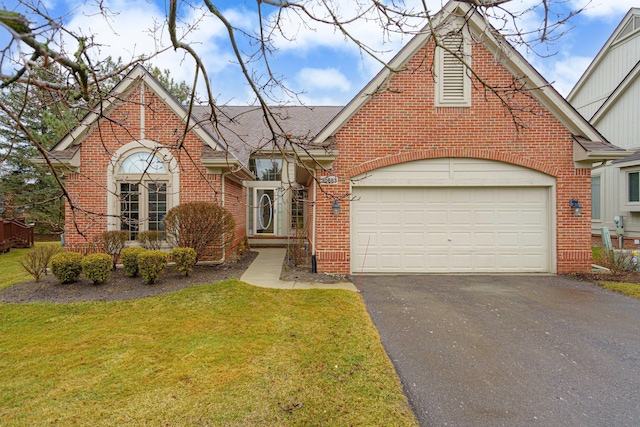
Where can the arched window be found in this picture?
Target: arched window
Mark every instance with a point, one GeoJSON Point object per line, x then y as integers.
{"type": "Point", "coordinates": [143, 192]}
{"type": "Point", "coordinates": [142, 163]}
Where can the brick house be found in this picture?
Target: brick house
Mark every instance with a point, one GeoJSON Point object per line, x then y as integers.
{"type": "Point", "coordinates": [425, 170]}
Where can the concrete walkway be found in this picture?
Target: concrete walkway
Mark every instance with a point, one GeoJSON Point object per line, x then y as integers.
{"type": "Point", "coordinates": [265, 273]}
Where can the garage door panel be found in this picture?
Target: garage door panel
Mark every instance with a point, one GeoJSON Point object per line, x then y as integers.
{"type": "Point", "coordinates": [414, 261]}
{"type": "Point", "coordinates": [389, 217]}
{"type": "Point", "coordinates": [391, 240]}
{"type": "Point", "coordinates": [414, 240]}
{"type": "Point", "coordinates": [532, 240]}
{"type": "Point", "coordinates": [390, 261]}
{"type": "Point", "coordinates": [437, 240]}
{"type": "Point", "coordinates": [363, 240]}
{"type": "Point", "coordinates": [454, 229]}
{"type": "Point", "coordinates": [484, 240]}
{"type": "Point", "coordinates": [413, 218]}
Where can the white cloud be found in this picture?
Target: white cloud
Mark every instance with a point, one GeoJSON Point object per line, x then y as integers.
{"type": "Point", "coordinates": [323, 79]}
{"type": "Point", "coordinates": [139, 28]}
{"type": "Point", "coordinates": [604, 9]}
{"type": "Point", "coordinates": [302, 36]}
{"type": "Point", "coordinates": [564, 73]}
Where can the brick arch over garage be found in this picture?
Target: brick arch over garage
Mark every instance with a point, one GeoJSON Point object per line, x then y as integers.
{"type": "Point", "coordinates": [454, 153]}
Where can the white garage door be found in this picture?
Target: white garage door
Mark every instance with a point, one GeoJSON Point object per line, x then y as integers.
{"type": "Point", "coordinates": [489, 229]}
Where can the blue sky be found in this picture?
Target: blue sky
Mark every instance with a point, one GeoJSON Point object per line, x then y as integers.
{"type": "Point", "coordinates": [317, 64]}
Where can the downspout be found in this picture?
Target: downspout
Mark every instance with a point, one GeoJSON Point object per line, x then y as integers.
{"type": "Point", "coordinates": [224, 248]}
{"type": "Point", "coordinates": [314, 265]}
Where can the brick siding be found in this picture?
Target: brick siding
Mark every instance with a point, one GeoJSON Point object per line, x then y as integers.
{"type": "Point", "coordinates": [88, 187]}
{"type": "Point", "coordinates": [401, 124]}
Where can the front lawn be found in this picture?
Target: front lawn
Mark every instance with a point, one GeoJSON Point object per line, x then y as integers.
{"type": "Point", "coordinates": [220, 354]}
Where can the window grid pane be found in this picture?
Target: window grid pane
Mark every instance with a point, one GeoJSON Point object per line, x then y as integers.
{"type": "Point", "coordinates": [130, 209]}
{"type": "Point", "coordinates": [157, 211]}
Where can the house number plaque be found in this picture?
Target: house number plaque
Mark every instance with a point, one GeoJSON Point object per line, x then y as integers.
{"type": "Point", "coordinates": [332, 179]}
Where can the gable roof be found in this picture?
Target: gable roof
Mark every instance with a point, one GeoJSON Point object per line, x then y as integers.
{"type": "Point", "coordinates": [138, 74]}
{"type": "Point", "coordinates": [235, 134]}
{"type": "Point", "coordinates": [632, 14]}
{"type": "Point", "coordinates": [67, 147]}
{"type": "Point", "coordinates": [509, 57]}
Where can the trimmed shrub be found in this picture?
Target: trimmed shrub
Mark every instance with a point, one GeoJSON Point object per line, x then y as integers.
{"type": "Point", "coordinates": [129, 258]}
{"type": "Point", "coordinates": [198, 225]}
{"type": "Point", "coordinates": [151, 264]}
{"type": "Point", "coordinates": [66, 266]}
{"type": "Point", "coordinates": [97, 268]}
{"type": "Point", "coordinates": [184, 259]}
{"type": "Point", "coordinates": [36, 261]}
{"type": "Point", "coordinates": [113, 242]}
{"type": "Point", "coordinates": [151, 240]}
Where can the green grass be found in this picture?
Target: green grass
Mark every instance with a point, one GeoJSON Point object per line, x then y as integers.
{"type": "Point", "coordinates": [222, 354]}
{"type": "Point", "coordinates": [629, 289]}
{"type": "Point", "coordinates": [597, 253]}
{"type": "Point", "coordinates": [10, 271]}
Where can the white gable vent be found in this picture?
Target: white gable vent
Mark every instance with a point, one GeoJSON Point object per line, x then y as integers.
{"type": "Point", "coordinates": [452, 82]}
{"type": "Point", "coordinates": [632, 26]}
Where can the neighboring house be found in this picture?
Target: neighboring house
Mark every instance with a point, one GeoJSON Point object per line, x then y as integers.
{"type": "Point", "coordinates": [608, 95]}
{"type": "Point", "coordinates": [425, 170]}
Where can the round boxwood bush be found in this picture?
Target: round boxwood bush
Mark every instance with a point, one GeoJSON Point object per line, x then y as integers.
{"type": "Point", "coordinates": [66, 266]}
{"type": "Point", "coordinates": [184, 259]}
{"type": "Point", "coordinates": [97, 268]}
{"type": "Point", "coordinates": [151, 264]}
{"type": "Point", "coordinates": [129, 258]}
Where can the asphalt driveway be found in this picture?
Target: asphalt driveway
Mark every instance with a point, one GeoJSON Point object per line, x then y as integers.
{"type": "Point", "coordinates": [510, 350]}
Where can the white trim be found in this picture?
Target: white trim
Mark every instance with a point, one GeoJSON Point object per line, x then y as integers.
{"type": "Point", "coordinates": [616, 94]}
{"type": "Point", "coordinates": [173, 176]}
{"type": "Point", "coordinates": [602, 53]}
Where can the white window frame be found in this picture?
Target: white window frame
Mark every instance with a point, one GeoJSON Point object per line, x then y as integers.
{"type": "Point", "coordinates": [143, 200]}
{"type": "Point", "coordinates": [114, 179]}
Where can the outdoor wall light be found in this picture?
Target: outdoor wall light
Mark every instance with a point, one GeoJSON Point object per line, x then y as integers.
{"type": "Point", "coordinates": [576, 206]}
{"type": "Point", "coordinates": [336, 207]}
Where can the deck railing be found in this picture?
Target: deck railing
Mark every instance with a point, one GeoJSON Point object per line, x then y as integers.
{"type": "Point", "coordinates": [14, 233]}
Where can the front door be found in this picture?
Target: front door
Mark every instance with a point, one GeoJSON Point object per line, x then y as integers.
{"type": "Point", "coordinates": [265, 210]}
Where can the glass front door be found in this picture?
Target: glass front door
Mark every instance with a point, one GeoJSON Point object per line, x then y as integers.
{"type": "Point", "coordinates": [265, 211]}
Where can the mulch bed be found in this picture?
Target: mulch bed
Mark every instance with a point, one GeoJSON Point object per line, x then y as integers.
{"type": "Point", "coordinates": [120, 286]}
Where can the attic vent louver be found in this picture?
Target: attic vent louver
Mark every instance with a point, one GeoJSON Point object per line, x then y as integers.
{"type": "Point", "coordinates": [451, 79]}
{"type": "Point", "coordinates": [632, 26]}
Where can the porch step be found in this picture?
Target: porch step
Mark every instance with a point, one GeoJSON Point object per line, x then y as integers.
{"type": "Point", "coordinates": [270, 241]}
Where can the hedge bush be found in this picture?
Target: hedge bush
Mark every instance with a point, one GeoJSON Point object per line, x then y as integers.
{"type": "Point", "coordinates": [151, 240]}
{"type": "Point", "coordinates": [129, 258]}
{"type": "Point", "coordinates": [97, 268]}
{"type": "Point", "coordinates": [151, 264]}
{"type": "Point", "coordinates": [67, 266]}
{"type": "Point", "coordinates": [184, 259]}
